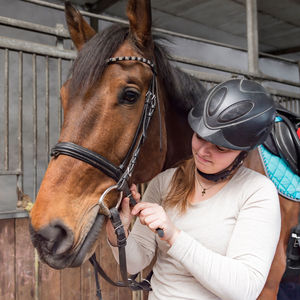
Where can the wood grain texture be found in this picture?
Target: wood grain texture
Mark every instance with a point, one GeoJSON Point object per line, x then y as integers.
{"type": "Point", "coordinates": [7, 259]}
{"type": "Point", "coordinates": [49, 283]}
{"type": "Point", "coordinates": [18, 280]}
{"type": "Point", "coordinates": [70, 284]}
{"type": "Point", "coordinates": [25, 275]}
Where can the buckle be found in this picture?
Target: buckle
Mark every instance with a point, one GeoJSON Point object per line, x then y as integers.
{"type": "Point", "coordinates": [293, 249]}
{"type": "Point", "coordinates": [103, 207]}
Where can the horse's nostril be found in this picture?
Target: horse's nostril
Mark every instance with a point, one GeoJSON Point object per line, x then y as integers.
{"type": "Point", "coordinates": [57, 237]}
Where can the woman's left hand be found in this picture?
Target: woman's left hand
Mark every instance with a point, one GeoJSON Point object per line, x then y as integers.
{"type": "Point", "coordinates": [154, 216]}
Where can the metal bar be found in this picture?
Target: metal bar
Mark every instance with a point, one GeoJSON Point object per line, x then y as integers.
{"type": "Point", "coordinates": [232, 70]}
{"type": "Point", "coordinates": [215, 78]}
{"type": "Point", "coordinates": [285, 94]}
{"type": "Point", "coordinates": [34, 111]}
{"type": "Point", "coordinates": [20, 120]}
{"type": "Point", "coordinates": [6, 109]}
{"type": "Point", "coordinates": [36, 48]}
{"type": "Point", "coordinates": [11, 172]}
{"type": "Point", "coordinates": [47, 118]}
{"type": "Point", "coordinates": [160, 30]}
{"type": "Point", "coordinates": [58, 31]}
{"type": "Point", "coordinates": [84, 13]}
{"type": "Point", "coordinates": [13, 214]}
{"type": "Point", "coordinates": [59, 83]}
{"type": "Point", "coordinates": [205, 76]}
{"type": "Point", "coordinates": [252, 36]}
{"type": "Point", "coordinates": [29, 47]}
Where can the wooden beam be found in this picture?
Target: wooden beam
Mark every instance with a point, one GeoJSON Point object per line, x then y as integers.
{"type": "Point", "coordinates": [101, 5]}
{"type": "Point", "coordinates": [284, 51]}
{"type": "Point", "coordinates": [252, 36]}
{"type": "Point", "coordinates": [98, 8]}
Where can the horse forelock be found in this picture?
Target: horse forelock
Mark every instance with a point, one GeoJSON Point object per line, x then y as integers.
{"type": "Point", "coordinates": [182, 89]}
{"type": "Point", "coordinates": [90, 63]}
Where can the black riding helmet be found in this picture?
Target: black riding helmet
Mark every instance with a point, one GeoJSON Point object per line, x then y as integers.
{"type": "Point", "coordinates": [237, 114]}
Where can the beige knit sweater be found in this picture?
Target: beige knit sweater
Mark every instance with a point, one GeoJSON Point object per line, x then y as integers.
{"type": "Point", "coordinates": [226, 245]}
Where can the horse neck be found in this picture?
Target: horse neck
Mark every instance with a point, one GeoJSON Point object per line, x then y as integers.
{"type": "Point", "coordinates": [184, 91]}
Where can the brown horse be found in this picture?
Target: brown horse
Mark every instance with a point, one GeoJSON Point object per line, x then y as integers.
{"type": "Point", "coordinates": [103, 103]}
{"type": "Point", "coordinates": [289, 218]}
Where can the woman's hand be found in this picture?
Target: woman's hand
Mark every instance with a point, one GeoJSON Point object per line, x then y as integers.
{"type": "Point", "coordinates": [154, 216]}
{"type": "Point", "coordinates": [125, 215]}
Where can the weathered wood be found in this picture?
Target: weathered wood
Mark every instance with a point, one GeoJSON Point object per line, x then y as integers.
{"type": "Point", "coordinates": [70, 284]}
{"type": "Point", "coordinates": [88, 285]}
{"type": "Point", "coordinates": [109, 264]}
{"type": "Point", "coordinates": [49, 283]}
{"type": "Point", "coordinates": [7, 259]}
{"type": "Point", "coordinates": [25, 275]}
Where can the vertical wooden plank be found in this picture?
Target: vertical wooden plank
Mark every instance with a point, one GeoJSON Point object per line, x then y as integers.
{"type": "Point", "coordinates": [25, 276]}
{"type": "Point", "coordinates": [49, 283]}
{"type": "Point", "coordinates": [70, 284]}
{"type": "Point", "coordinates": [88, 285]}
{"type": "Point", "coordinates": [109, 265]}
{"type": "Point", "coordinates": [7, 259]}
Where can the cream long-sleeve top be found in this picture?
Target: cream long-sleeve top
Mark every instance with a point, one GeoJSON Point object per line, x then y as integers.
{"type": "Point", "coordinates": [225, 247]}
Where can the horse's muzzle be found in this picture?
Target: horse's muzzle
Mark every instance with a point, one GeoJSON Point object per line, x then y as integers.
{"type": "Point", "coordinates": [54, 244]}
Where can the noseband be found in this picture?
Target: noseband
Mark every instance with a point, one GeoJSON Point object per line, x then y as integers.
{"type": "Point", "coordinates": [121, 174]}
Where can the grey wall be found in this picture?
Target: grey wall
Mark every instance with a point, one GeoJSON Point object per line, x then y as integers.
{"type": "Point", "coordinates": [28, 12]}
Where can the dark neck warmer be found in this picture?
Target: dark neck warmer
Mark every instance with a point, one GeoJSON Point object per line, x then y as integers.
{"type": "Point", "coordinates": [226, 172]}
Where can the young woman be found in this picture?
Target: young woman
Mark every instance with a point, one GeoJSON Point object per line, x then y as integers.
{"type": "Point", "coordinates": [221, 221]}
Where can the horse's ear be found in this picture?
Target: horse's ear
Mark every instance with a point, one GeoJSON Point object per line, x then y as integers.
{"type": "Point", "coordinates": [80, 30]}
{"type": "Point", "coordinates": [140, 20]}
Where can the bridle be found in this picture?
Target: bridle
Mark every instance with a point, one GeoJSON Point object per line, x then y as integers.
{"type": "Point", "coordinates": [121, 174]}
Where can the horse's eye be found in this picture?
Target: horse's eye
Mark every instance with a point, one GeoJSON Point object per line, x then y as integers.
{"type": "Point", "coordinates": [129, 96]}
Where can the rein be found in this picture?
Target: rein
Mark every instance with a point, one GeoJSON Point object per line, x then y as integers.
{"type": "Point", "coordinates": [121, 174]}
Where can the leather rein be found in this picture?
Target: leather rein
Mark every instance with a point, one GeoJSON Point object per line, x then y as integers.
{"type": "Point", "coordinates": [121, 174]}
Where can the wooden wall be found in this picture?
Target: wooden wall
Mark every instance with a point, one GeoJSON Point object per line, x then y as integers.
{"type": "Point", "coordinates": [23, 277]}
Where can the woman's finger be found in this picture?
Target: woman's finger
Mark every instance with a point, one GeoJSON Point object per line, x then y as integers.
{"type": "Point", "coordinates": [151, 219]}
{"type": "Point", "coordinates": [125, 206]}
{"type": "Point", "coordinates": [135, 194]}
{"type": "Point", "coordinates": [155, 224]}
{"type": "Point", "coordinates": [141, 206]}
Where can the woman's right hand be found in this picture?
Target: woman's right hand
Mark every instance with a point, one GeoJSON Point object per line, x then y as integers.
{"type": "Point", "coordinates": [125, 215]}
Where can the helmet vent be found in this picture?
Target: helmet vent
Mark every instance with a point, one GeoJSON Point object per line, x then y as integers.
{"type": "Point", "coordinates": [235, 111]}
{"type": "Point", "coordinates": [216, 99]}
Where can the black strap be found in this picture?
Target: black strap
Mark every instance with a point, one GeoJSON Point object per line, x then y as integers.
{"type": "Point", "coordinates": [121, 243]}
{"type": "Point", "coordinates": [94, 262]}
{"type": "Point", "coordinates": [88, 156]}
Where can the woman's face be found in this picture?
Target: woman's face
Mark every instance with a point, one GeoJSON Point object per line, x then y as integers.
{"type": "Point", "coordinates": [210, 158]}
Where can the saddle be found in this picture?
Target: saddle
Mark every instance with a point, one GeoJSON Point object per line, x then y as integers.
{"type": "Point", "coordinates": [283, 141]}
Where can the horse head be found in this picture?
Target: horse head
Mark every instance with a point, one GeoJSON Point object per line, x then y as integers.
{"type": "Point", "coordinates": [103, 102]}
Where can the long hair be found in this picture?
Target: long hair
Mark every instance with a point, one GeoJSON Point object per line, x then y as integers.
{"type": "Point", "coordinates": [182, 187]}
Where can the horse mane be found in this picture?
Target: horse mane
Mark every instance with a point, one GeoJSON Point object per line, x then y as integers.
{"type": "Point", "coordinates": [182, 89]}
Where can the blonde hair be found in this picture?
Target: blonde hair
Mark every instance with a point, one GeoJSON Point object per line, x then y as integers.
{"type": "Point", "coordinates": [182, 186]}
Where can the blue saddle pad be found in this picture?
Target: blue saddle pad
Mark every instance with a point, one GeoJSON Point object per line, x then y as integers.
{"type": "Point", "coordinates": [286, 182]}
